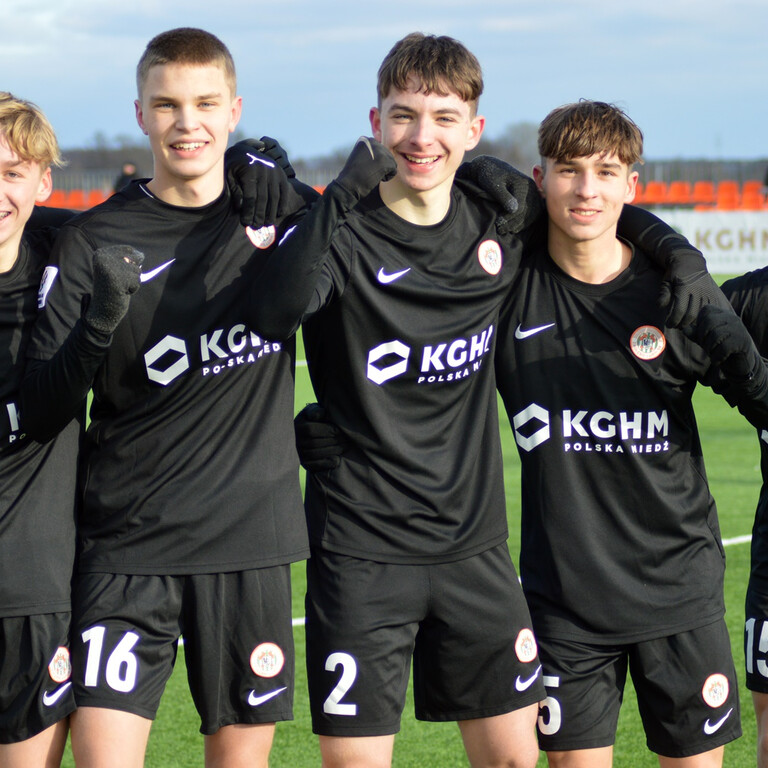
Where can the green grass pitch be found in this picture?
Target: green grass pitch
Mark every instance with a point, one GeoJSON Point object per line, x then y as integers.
{"type": "Point", "coordinates": [732, 458]}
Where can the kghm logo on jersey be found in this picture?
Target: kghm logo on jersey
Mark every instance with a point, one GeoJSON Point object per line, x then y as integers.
{"type": "Point", "coordinates": [220, 350]}
{"type": "Point", "coordinates": [267, 660]}
{"type": "Point", "coordinates": [525, 646]}
{"type": "Point", "coordinates": [647, 342]}
{"type": "Point", "coordinates": [439, 363]}
{"type": "Point", "coordinates": [583, 431]}
{"type": "Point", "coordinates": [489, 256]}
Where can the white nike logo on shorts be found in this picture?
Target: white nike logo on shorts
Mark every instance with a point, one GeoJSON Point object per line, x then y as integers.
{"type": "Point", "coordinates": [523, 685]}
{"type": "Point", "coordinates": [256, 701]}
{"type": "Point", "coordinates": [145, 276]}
{"type": "Point", "coordinates": [49, 699]}
{"type": "Point", "coordinates": [383, 277]}
{"type": "Point", "coordinates": [521, 334]}
{"type": "Point", "coordinates": [710, 728]}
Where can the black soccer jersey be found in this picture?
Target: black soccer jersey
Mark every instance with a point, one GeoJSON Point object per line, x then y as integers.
{"type": "Point", "coordinates": [749, 296]}
{"type": "Point", "coordinates": [37, 482]}
{"type": "Point", "coordinates": [402, 359]}
{"type": "Point", "coordinates": [620, 536]}
{"type": "Point", "coordinates": [189, 463]}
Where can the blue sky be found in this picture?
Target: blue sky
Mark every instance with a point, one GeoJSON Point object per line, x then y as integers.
{"type": "Point", "coordinates": [691, 73]}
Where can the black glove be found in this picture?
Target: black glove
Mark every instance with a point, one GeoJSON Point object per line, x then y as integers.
{"type": "Point", "coordinates": [319, 442]}
{"type": "Point", "coordinates": [259, 186]}
{"type": "Point", "coordinates": [687, 285]}
{"type": "Point", "coordinates": [513, 191]}
{"type": "Point", "coordinates": [725, 339]}
{"type": "Point", "coordinates": [368, 164]}
{"type": "Point", "coordinates": [271, 148]}
{"type": "Point", "coordinates": [116, 270]}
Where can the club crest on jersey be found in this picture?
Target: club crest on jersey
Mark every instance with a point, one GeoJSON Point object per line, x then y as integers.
{"type": "Point", "coordinates": [267, 660]}
{"type": "Point", "coordinates": [647, 342]}
{"type": "Point", "coordinates": [525, 646]}
{"type": "Point", "coordinates": [489, 256]}
{"type": "Point", "coordinates": [715, 691]}
{"type": "Point", "coordinates": [60, 668]}
{"type": "Point", "coordinates": [263, 237]}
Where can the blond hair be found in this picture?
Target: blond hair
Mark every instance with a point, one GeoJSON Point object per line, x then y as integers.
{"type": "Point", "coordinates": [28, 132]}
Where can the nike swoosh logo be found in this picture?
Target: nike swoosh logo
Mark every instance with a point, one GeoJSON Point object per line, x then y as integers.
{"type": "Point", "coordinates": [710, 728]}
{"type": "Point", "coordinates": [383, 277]}
{"type": "Point", "coordinates": [521, 334]}
{"type": "Point", "coordinates": [523, 685]}
{"type": "Point", "coordinates": [256, 701]}
{"type": "Point", "coordinates": [145, 276]}
{"type": "Point", "coordinates": [49, 699]}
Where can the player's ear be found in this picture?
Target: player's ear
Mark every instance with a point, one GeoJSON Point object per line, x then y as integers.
{"type": "Point", "coordinates": [375, 117]}
{"type": "Point", "coordinates": [476, 127]}
{"type": "Point", "coordinates": [538, 177]}
{"type": "Point", "coordinates": [45, 188]}
{"type": "Point", "coordinates": [632, 178]}
{"type": "Point", "coordinates": [140, 116]}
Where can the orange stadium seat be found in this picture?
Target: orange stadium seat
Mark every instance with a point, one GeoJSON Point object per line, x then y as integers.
{"type": "Point", "coordinates": [703, 193]}
{"type": "Point", "coordinates": [750, 186]}
{"type": "Point", "coordinates": [58, 199]}
{"type": "Point", "coordinates": [752, 199]}
{"type": "Point", "coordinates": [728, 195]}
{"type": "Point", "coordinates": [655, 193]}
{"type": "Point", "coordinates": [679, 193]}
{"type": "Point", "coordinates": [76, 199]}
{"type": "Point", "coordinates": [96, 196]}
{"type": "Point", "coordinates": [638, 194]}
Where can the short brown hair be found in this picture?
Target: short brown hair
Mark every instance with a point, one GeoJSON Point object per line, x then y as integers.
{"type": "Point", "coordinates": [587, 128]}
{"type": "Point", "coordinates": [186, 45]}
{"type": "Point", "coordinates": [28, 132]}
{"type": "Point", "coordinates": [442, 64]}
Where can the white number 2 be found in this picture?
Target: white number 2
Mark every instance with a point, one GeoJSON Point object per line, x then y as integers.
{"type": "Point", "coordinates": [333, 705]}
{"type": "Point", "coordinates": [122, 664]}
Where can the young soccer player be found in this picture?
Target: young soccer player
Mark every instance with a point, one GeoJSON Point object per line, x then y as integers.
{"type": "Point", "coordinates": [191, 503]}
{"type": "Point", "coordinates": [621, 558]}
{"type": "Point", "coordinates": [37, 500]}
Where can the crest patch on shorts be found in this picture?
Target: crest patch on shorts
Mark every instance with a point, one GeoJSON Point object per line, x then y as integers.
{"type": "Point", "coordinates": [267, 660]}
{"type": "Point", "coordinates": [60, 668]}
{"type": "Point", "coordinates": [715, 690]}
{"type": "Point", "coordinates": [262, 237]}
{"type": "Point", "coordinates": [525, 646]}
{"type": "Point", "coordinates": [489, 256]}
{"type": "Point", "coordinates": [647, 342]}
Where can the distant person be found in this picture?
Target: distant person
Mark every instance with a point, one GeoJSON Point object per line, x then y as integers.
{"type": "Point", "coordinates": [127, 174]}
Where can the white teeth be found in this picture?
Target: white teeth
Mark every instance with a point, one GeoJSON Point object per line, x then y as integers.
{"type": "Point", "coordinates": [421, 160]}
{"type": "Point", "coordinates": [5, 214]}
{"type": "Point", "coordinates": [189, 145]}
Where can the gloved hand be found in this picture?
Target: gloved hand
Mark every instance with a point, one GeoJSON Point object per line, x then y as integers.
{"type": "Point", "coordinates": [368, 164]}
{"type": "Point", "coordinates": [722, 335]}
{"type": "Point", "coordinates": [514, 192]}
{"type": "Point", "coordinates": [116, 271]}
{"type": "Point", "coordinates": [258, 184]}
{"type": "Point", "coordinates": [271, 148]}
{"type": "Point", "coordinates": [687, 287]}
{"type": "Point", "coordinates": [319, 442]}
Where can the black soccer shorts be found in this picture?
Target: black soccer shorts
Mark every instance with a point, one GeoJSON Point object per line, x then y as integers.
{"type": "Point", "coordinates": [35, 675]}
{"type": "Point", "coordinates": [238, 643]}
{"type": "Point", "coordinates": [686, 686]}
{"type": "Point", "coordinates": [465, 623]}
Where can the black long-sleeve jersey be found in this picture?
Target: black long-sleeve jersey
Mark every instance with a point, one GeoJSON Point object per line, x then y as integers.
{"type": "Point", "coordinates": [620, 536]}
{"type": "Point", "coordinates": [189, 463]}
{"type": "Point", "coordinates": [749, 296]}
{"type": "Point", "coordinates": [401, 357]}
{"type": "Point", "coordinates": [37, 482]}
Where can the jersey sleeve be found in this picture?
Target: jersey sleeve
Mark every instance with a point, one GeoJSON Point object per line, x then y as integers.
{"type": "Point", "coordinates": [64, 352]}
{"type": "Point", "coordinates": [298, 278]}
